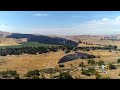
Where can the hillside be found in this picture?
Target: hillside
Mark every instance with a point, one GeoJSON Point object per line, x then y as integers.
{"type": "Point", "coordinates": [8, 42]}
{"type": "Point", "coordinates": [43, 39]}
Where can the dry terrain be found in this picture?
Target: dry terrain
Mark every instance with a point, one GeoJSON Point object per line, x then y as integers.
{"type": "Point", "coordinates": [11, 41]}
{"type": "Point", "coordinates": [24, 63]}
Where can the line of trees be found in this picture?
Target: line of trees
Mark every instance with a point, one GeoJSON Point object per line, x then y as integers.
{"type": "Point", "coordinates": [109, 47]}
{"type": "Point", "coordinates": [32, 50]}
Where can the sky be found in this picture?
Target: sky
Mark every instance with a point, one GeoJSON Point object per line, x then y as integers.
{"type": "Point", "coordinates": [61, 22]}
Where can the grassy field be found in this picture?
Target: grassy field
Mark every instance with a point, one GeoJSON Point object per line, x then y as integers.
{"type": "Point", "coordinates": [23, 63]}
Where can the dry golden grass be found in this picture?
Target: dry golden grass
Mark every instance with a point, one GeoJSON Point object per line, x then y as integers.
{"type": "Point", "coordinates": [11, 41]}
{"type": "Point", "coordinates": [8, 42]}
{"type": "Point", "coordinates": [23, 63]}
{"type": "Point", "coordinates": [85, 45]}
{"type": "Point", "coordinates": [103, 42]}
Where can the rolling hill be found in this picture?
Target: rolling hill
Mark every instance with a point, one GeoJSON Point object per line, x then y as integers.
{"type": "Point", "coordinates": [43, 39]}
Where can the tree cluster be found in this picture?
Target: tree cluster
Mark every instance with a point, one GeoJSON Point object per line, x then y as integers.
{"type": "Point", "coordinates": [31, 50]}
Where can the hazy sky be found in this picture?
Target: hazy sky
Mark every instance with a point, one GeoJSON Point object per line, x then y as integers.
{"type": "Point", "coordinates": [61, 22]}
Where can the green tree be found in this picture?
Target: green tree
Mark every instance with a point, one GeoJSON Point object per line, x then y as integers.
{"type": "Point", "coordinates": [32, 73]}
{"type": "Point", "coordinates": [91, 61]}
{"type": "Point", "coordinates": [111, 66]}
{"type": "Point", "coordinates": [101, 63]}
{"type": "Point", "coordinates": [118, 61]}
{"type": "Point", "coordinates": [65, 75]}
{"type": "Point", "coordinates": [98, 76]}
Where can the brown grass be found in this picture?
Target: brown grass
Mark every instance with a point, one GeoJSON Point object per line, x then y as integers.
{"type": "Point", "coordinates": [23, 63]}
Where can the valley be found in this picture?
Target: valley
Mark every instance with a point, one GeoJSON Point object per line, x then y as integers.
{"type": "Point", "coordinates": [89, 53]}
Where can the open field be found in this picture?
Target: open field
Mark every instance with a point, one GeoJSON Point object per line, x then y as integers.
{"type": "Point", "coordinates": [23, 63]}
{"type": "Point", "coordinates": [103, 42]}
{"type": "Point", "coordinates": [8, 42]}
{"type": "Point", "coordinates": [95, 40]}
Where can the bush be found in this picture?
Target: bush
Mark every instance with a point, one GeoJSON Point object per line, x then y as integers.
{"type": "Point", "coordinates": [101, 63]}
{"type": "Point", "coordinates": [91, 61]}
{"type": "Point", "coordinates": [81, 64]}
{"type": "Point", "coordinates": [35, 77]}
{"type": "Point", "coordinates": [42, 77]}
{"type": "Point", "coordinates": [65, 75]}
{"type": "Point", "coordinates": [118, 61]}
{"type": "Point", "coordinates": [111, 66]}
{"type": "Point", "coordinates": [11, 74]}
{"type": "Point", "coordinates": [32, 73]}
{"type": "Point", "coordinates": [98, 76]}
{"type": "Point", "coordinates": [61, 65]}
{"type": "Point", "coordinates": [90, 71]}
{"type": "Point", "coordinates": [49, 71]}
{"type": "Point", "coordinates": [85, 72]}
{"type": "Point", "coordinates": [16, 77]}
{"type": "Point", "coordinates": [106, 77]}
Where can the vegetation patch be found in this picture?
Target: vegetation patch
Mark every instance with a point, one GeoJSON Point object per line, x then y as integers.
{"type": "Point", "coordinates": [9, 74]}
{"type": "Point", "coordinates": [90, 71]}
{"type": "Point", "coordinates": [111, 66]}
{"type": "Point", "coordinates": [32, 73]}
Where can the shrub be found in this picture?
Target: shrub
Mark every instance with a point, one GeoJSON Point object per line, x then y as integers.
{"type": "Point", "coordinates": [16, 77]}
{"type": "Point", "coordinates": [49, 71]}
{"type": "Point", "coordinates": [106, 77]}
{"type": "Point", "coordinates": [98, 76]}
{"type": "Point", "coordinates": [91, 61]}
{"type": "Point", "coordinates": [90, 71]}
{"type": "Point", "coordinates": [35, 77]}
{"type": "Point", "coordinates": [85, 72]}
{"type": "Point", "coordinates": [118, 61]}
{"type": "Point", "coordinates": [65, 75]}
{"type": "Point", "coordinates": [81, 64]}
{"type": "Point", "coordinates": [61, 65]}
{"type": "Point", "coordinates": [101, 63]}
{"type": "Point", "coordinates": [111, 66]}
{"type": "Point", "coordinates": [9, 74]}
{"type": "Point", "coordinates": [32, 73]}
{"type": "Point", "coordinates": [42, 77]}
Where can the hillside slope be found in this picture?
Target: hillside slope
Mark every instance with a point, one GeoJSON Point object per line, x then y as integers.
{"type": "Point", "coordinates": [43, 39]}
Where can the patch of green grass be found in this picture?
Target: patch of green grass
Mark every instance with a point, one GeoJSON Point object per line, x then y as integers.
{"type": "Point", "coordinates": [36, 44]}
